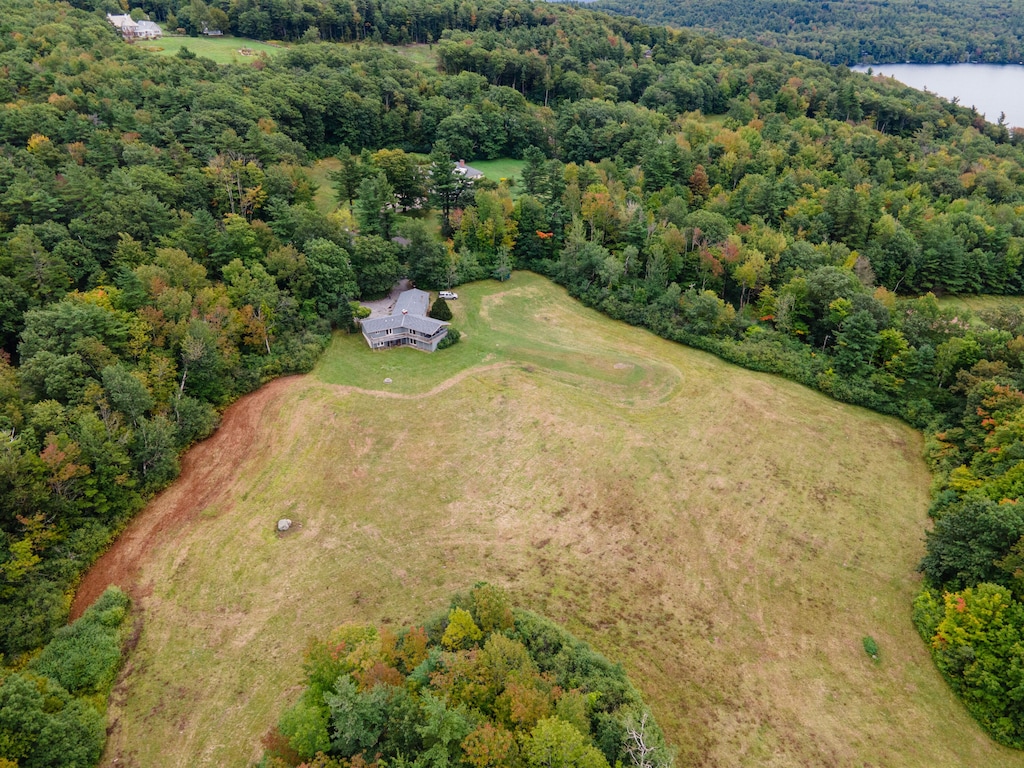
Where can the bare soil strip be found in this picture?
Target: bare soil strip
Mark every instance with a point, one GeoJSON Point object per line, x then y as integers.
{"type": "Point", "coordinates": [207, 471]}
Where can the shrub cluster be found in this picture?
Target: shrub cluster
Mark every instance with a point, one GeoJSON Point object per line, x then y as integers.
{"type": "Point", "coordinates": [482, 685]}
{"type": "Point", "coordinates": [451, 339]}
{"type": "Point", "coordinates": [52, 711]}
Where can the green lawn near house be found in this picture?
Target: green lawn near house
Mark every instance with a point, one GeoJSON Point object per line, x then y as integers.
{"type": "Point", "coordinates": [223, 50]}
{"type": "Point", "coordinates": [503, 168]}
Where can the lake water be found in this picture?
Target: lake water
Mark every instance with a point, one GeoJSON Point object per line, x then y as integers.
{"type": "Point", "coordinates": [989, 88]}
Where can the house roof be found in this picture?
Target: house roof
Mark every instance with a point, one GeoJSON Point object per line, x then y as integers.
{"type": "Point", "coordinates": [468, 171]}
{"type": "Point", "coordinates": [414, 301]}
{"type": "Point", "coordinates": [409, 312]}
{"type": "Point", "coordinates": [148, 26]}
{"type": "Point", "coordinates": [427, 325]}
{"type": "Point", "coordinates": [124, 21]}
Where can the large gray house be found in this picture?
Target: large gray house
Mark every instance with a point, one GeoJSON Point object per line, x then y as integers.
{"type": "Point", "coordinates": [407, 326]}
{"type": "Point", "coordinates": [135, 30]}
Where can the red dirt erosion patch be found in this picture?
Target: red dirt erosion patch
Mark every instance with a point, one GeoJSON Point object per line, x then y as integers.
{"type": "Point", "coordinates": [206, 472]}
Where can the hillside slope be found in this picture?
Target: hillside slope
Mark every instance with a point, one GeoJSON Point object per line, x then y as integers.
{"type": "Point", "coordinates": [672, 510]}
{"type": "Point", "coordinates": [854, 31]}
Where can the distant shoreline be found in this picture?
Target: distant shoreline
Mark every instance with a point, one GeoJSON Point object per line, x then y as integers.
{"type": "Point", "coordinates": [990, 88]}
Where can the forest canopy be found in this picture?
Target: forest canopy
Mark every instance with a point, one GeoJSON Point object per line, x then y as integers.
{"type": "Point", "coordinates": [837, 32]}
{"type": "Point", "coordinates": [853, 31]}
{"type": "Point", "coordinates": [164, 249]}
{"type": "Point", "coordinates": [483, 684]}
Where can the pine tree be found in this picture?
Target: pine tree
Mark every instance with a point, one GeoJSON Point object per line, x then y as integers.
{"type": "Point", "coordinates": [447, 188]}
{"type": "Point", "coordinates": [347, 178]}
{"type": "Point", "coordinates": [441, 311]}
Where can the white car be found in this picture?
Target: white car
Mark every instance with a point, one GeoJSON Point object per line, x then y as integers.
{"type": "Point", "coordinates": [447, 295]}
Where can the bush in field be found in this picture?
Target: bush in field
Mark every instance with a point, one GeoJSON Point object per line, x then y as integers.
{"type": "Point", "coordinates": [440, 310]}
{"type": "Point", "coordinates": [450, 340]}
{"type": "Point", "coordinates": [871, 647]}
{"type": "Point", "coordinates": [482, 685]}
{"type": "Point", "coordinates": [84, 657]}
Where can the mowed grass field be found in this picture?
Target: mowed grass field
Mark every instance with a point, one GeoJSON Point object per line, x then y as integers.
{"type": "Point", "coordinates": [729, 537]}
{"type": "Point", "coordinates": [223, 50]}
{"type": "Point", "coordinates": [325, 199]}
{"type": "Point", "coordinates": [986, 303]}
{"type": "Point", "coordinates": [504, 168]}
{"type": "Point", "coordinates": [422, 55]}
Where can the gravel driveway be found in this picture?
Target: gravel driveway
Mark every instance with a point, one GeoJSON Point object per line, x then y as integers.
{"type": "Point", "coordinates": [383, 307]}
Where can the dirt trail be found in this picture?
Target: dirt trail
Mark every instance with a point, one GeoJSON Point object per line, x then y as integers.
{"type": "Point", "coordinates": [206, 472]}
{"type": "Point", "coordinates": [436, 390]}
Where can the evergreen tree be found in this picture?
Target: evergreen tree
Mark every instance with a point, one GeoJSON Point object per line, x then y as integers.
{"type": "Point", "coordinates": [533, 172]}
{"type": "Point", "coordinates": [447, 187]}
{"type": "Point", "coordinates": [346, 179]}
{"type": "Point", "coordinates": [376, 207]}
{"type": "Point", "coordinates": [440, 310]}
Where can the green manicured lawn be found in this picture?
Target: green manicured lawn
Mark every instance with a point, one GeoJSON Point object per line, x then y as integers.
{"type": "Point", "coordinates": [494, 332]}
{"type": "Point", "coordinates": [505, 168]}
{"type": "Point", "coordinates": [729, 536]}
{"type": "Point", "coordinates": [223, 50]}
{"type": "Point", "coordinates": [325, 199]}
{"type": "Point", "coordinates": [716, 120]}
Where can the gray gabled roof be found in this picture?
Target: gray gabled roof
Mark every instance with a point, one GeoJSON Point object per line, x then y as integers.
{"type": "Point", "coordinates": [427, 325]}
{"type": "Point", "coordinates": [414, 301]}
{"type": "Point", "coordinates": [468, 170]}
{"type": "Point", "coordinates": [410, 312]}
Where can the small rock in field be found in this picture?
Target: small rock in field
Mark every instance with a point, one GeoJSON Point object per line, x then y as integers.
{"type": "Point", "coordinates": [284, 524]}
{"type": "Point", "coordinates": [387, 381]}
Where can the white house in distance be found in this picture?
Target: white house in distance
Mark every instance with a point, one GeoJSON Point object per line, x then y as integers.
{"type": "Point", "coordinates": [125, 23]}
{"type": "Point", "coordinates": [407, 326]}
{"type": "Point", "coordinates": [148, 30]}
{"type": "Point", "coordinates": [468, 171]}
{"type": "Point", "coordinates": [135, 30]}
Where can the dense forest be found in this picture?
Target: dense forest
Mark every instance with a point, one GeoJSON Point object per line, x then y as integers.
{"type": "Point", "coordinates": [854, 31]}
{"type": "Point", "coordinates": [160, 253]}
{"type": "Point", "coordinates": [482, 684]}
{"type": "Point", "coordinates": [838, 32]}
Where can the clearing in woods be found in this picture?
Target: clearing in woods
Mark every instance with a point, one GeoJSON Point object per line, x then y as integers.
{"type": "Point", "coordinates": [223, 50]}
{"type": "Point", "coordinates": [495, 170]}
{"type": "Point", "coordinates": [984, 303]}
{"type": "Point", "coordinates": [729, 536]}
